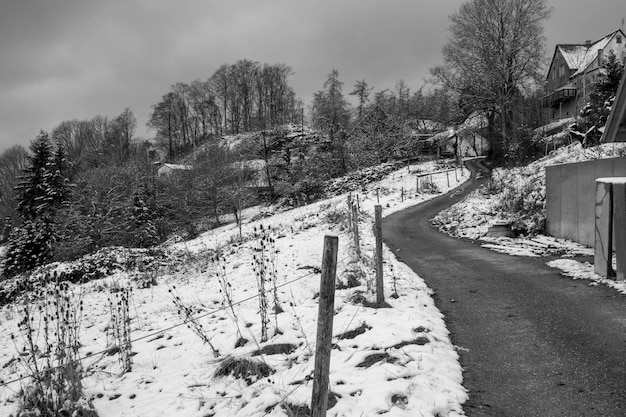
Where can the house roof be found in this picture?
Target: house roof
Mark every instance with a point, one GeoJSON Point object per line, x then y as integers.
{"type": "Point", "coordinates": [579, 56]}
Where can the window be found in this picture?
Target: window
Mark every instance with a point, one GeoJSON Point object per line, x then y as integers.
{"type": "Point", "coordinates": [618, 39]}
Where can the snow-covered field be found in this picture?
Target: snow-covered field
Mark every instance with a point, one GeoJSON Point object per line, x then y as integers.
{"type": "Point", "coordinates": [472, 217]}
{"type": "Point", "coordinates": [396, 361]}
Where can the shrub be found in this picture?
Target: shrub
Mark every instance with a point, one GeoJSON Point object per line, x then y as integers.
{"type": "Point", "coordinates": [522, 201]}
{"type": "Point", "coordinates": [48, 351]}
{"type": "Point", "coordinates": [28, 247]}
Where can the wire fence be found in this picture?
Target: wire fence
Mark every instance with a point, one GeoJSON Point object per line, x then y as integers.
{"type": "Point", "coordinates": [5, 383]}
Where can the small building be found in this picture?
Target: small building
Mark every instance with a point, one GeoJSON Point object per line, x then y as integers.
{"type": "Point", "coordinates": [167, 170]}
{"type": "Point", "coordinates": [466, 139]}
{"type": "Point", "coordinates": [573, 71]}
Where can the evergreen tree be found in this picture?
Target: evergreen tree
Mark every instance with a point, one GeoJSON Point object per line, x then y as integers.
{"type": "Point", "coordinates": [34, 200]}
{"type": "Point", "coordinates": [6, 229]}
{"type": "Point", "coordinates": [330, 113]}
{"type": "Point", "coordinates": [143, 230]}
{"type": "Point", "coordinates": [595, 113]}
{"type": "Point", "coordinates": [42, 191]}
{"type": "Point", "coordinates": [28, 247]}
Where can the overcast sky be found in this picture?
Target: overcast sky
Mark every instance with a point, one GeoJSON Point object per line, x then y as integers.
{"type": "Point", "coordinates": [74, 59]}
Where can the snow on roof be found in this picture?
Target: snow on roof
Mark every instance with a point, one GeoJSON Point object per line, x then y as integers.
{"type": "Point", "coordinates": [476, 120]}
{"type": "Point", "coordinates": [177, 166]}
{"type": "Point", "coordinates": [551, 127]}
{"type": "Point", "coordinates": [573, 54]}
{"type": "Point", "coordinates": [579, 56]}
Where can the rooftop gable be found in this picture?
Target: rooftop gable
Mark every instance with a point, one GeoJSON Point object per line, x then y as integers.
{"type": "Point", "coordinates": [580, 55]}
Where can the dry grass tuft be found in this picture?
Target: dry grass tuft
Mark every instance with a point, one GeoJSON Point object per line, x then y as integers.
{"type": "Point", "coordinates": [276, 349]}
{"type": "Point", "coordinates": [351, 334]}
{"type": "Point", "coordinates": [421, 341]}
{"type": "Point", "coordinates": [375, 358]}
{"type": "Point", "coordinates": [246, 369]}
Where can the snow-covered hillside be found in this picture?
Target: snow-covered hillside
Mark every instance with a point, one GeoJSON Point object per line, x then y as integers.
{"type": "Point", "coordinates": [397, 361]}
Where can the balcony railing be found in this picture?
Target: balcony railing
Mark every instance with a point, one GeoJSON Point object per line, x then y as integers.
{"type": "Point", "coordinates": [561, 95]}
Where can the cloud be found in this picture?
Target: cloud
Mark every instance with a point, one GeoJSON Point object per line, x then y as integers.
{"type": "Point", "coordinates": [76, 58]}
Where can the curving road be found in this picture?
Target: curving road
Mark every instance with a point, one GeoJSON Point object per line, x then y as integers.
{"type": "Point", "coordinates": [531, 342]}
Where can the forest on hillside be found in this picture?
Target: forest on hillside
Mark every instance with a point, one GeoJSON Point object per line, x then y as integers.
{"type": "Point", "coordinates": [241, 136]}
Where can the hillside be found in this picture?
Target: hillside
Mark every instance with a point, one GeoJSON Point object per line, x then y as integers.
{"type": "Point", "coordinates": [191, 304]}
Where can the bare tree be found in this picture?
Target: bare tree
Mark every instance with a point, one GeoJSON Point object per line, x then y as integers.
{"type": "Point", "coordinates": [494, 54]}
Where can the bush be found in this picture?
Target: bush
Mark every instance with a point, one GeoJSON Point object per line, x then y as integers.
{"type": "Point", "coordinates": [522, 201]}
{"type": "Point", "coordinates": [28, 247]}
{"type": "Point", "coordinates": [48, 347]}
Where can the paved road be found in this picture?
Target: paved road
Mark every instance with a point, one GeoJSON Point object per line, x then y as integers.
{"type": "Point", "coordinates": [532, 342]}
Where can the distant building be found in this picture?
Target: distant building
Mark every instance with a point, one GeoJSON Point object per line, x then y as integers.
{"type": "Point", "coordinates": [466, 139]}
{"type": "Point", "coordinates": [168, 169]}
{"type": "Point", "coordinates": [574, 69]}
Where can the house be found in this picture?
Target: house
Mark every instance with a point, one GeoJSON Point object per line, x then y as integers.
{"type": "Point", "coordinates": [574, 70]}
{"type": "Point", "coordinates": [168, 169]}
{"type": "Point", "coordinates": [615, 129]}
{"type": "Point", "coordinates": [466, 139]}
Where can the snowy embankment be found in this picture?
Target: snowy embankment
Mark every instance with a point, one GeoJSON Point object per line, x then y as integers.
{"type": "Point", "coordinates": [397, 361]}
{"type": "Point", "coordinates": [472, 217]}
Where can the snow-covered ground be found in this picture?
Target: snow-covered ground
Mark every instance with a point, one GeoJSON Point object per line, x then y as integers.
{"type": "Point", "coordinates": [397, 361]}
{"type": "Point", "coordinates": [472, 217]}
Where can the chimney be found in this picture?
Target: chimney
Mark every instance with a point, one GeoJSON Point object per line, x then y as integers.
{"type": "Point", "coordinates": [587, 42]}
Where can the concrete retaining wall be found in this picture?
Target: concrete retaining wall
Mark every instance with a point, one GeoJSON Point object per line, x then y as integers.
{"type": "Point", "coordinates": [570, 197]}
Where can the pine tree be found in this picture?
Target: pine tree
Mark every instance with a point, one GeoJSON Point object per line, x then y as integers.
{"type": "Point", "coordinates": [41, 192]}
{"type": "Point", "coordinates": [33, 189]}
{"type": "Point", "coordinates": [594, 114]}
{"type": "Point", "coordinates": [142, 228]}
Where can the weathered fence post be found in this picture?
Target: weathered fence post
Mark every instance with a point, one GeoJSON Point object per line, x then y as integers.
{"type": "Point", "coordinates": [355, 228]}
{"type": "Point", "coordinates": [326, 310]}
{"type": "Point", "coordinates": [350, 212]}
{"type": "Point", "coordinates": [378, 231]}
{"type": "Point", "coordinates": [448, 178]}
{"type": "Point", "coordinates": [377, 196]}
{"type": "Point", "coordinates": [417, 184]}
{"type": "Point", "coordinates": [402, 194]}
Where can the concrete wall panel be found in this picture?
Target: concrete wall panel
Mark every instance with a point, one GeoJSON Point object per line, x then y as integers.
{"type": "Point", "coordinates": [570, 197]}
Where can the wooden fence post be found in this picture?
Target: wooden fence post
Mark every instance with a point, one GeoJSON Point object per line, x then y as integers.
{"type": "Point", "coordinates": [448, 178]}
{"type": "Point", "coordinates": [326, 310]}
{"type": "Point", "coordinates": [378, 229]}
{"type": "Point", "coordinates": [417, 184]}
{"type": "Point", "coordinates": [355, 220]}
{"type": "Point", "coordinates": [402, 194]}
{"type": "Point", "coordinates": [377, 196]}
{"type": "Point", "coordinates": [350, 212]}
